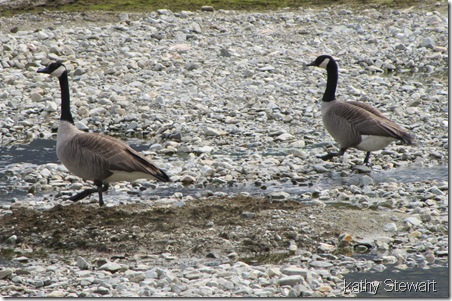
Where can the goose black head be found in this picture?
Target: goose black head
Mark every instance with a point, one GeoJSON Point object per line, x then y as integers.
{"type": "Point", "coordinates": [322, 61]}
{"type": "Point", "coordinates": [54, 69]}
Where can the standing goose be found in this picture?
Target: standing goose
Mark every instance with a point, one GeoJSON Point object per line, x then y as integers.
{"type": "Point", "coordinates": [93, 156]}
{"type": "Point", "coordinates": [354, 124]}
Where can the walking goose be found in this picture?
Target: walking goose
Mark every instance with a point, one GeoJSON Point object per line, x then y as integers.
{"type": "Point", "coordinates": [352, 123]}
{"type": "Point", "coordinates": [92, 156]}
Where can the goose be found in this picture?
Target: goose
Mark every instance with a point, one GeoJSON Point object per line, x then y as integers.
{"type": "Point", "coordinates": [352, 123]}
{"type": "Point", "coordinates": [92, 156]}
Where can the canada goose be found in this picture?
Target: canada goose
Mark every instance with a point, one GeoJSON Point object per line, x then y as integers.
{"type": "Point", "coordinates": [96, 157]}
{"type": "Point", "coordinates": [352, 123]}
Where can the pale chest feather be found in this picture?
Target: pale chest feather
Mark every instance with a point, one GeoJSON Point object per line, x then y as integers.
{"type": "Point", "coordinates": [64, 148]}
{"type": "Point", "coordinates": [66, 132]}
{"type": "Point", "coordinates": [329, 120]}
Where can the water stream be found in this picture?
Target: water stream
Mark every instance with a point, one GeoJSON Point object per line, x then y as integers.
{"type": "Point", "coordinates": [42, 151]}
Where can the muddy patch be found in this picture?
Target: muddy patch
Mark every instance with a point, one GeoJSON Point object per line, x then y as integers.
{"type": "Point", "coordinates": [250, 227]}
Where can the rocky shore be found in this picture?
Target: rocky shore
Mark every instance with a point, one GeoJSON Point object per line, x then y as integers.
{"type": "Point", "coordinates": [223, 102]}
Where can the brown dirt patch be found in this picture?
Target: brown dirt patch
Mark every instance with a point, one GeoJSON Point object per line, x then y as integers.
{"type": "Point", "coordinates": [252, 227]}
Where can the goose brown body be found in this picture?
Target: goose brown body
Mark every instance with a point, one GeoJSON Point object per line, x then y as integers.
{"type": "Point", "coordinates": [92, 156]}
{"type": "Point", "coordinates": [352, 123]}
{"type": "Point", "coordinates": [103, 158]}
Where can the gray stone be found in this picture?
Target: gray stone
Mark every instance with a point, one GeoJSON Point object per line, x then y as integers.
{"type": "Point", "coordinates": [390, 227]}
{"type": "Point", "coordinates": [5, 273]}
{"type": "Point", "coordinates": [294, 270]}
{"type": "Point", "coordinates": [290, 280]}
{"type": "Point", "coordinates": [82, 263]}
{"type": "Point", "coordinates": [428, 43]}
{"type": "Point", "coordinates": [111, 267]}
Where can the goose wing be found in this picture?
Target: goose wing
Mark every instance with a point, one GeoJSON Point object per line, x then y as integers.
{"type": "Point", "coordinates": [108, 155]}
{"type": "Point", "coordinates": [367, 107]}
{"type": "Point", "coordinates": [366, 122]}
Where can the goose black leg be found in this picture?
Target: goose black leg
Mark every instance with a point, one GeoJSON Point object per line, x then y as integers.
{"type": "Point", "coordinates": [332, 155]}
{"type": "Point", "coordinates": [366, 159]}
{"type": "Point", "coordinates": [89, 191]}
{"type": "Point", "coordinates": [100, 190]}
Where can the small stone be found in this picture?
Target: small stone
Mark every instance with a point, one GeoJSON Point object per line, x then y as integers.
{"type": "Point", "coordinates": [279, 195]}
{"type": "Point", "coordinates": [56, 294]}
{"type": "Point", "coordinates": [365, 180]}
{"type": "Point", "coordinates": [267, 68]}
{"type": "Point", "coordinates": [389, 259]}
{"type": "Point", "coordinates": [225, 53]}
{"type": "Point", "coordinates": [165, 12]}
{"type": "Point", "coordinates": [207, 8]}
{"type": "Point", "coordinates": [391, 227]}
{"type": "Point", "coordinates": [320, 264]}
{"type": "Point", "coordinates": [435, 191]}
{"type": "Point", "coordinates": [290, 280]}
{"type": "Point", "coordinates": [233, 256]}
{"type": "Point", "coordinates": [326, 248]}
{"type": "Point", "coordinates": [412, 221]}
{"type": "Point", "coordinates": [193, 275]}
{"type": "Point", "coordinates": [428, 43]}
{"type": "Point", "coordinates": [35, 97]}
{"type": "Point", "coordinates": [294, 270]}
{"type": "Point", "coordinates": [5, 273]}
{"type": "Point", "coordinates": [136, 277]}
{"type": "Point", "coordinates": [51, 106]}
{"type": "Point", "coordinates": [192, 66]}
{"type": "Point", "coordinates": [362, 169]}
{"type": "Point", "coordinates": [320, 168]}
{"type": "Point", "coordinates": [188, 180]}
{"type": "Point", "coordinates": [123, 17]}
{"type": "Point", "coordinates": [225, 284]}
{"type": "Point", "coordinates": [82, 263]}
{"type": "Point", "coordinates": [272, 272]}
{"type": "Point", "coordinates": [12, 240]}
{"type": "Point", "coordinates": [213, 132]}
{"type": "Point", "coordinates": [101, 290]}
{"type": "Point", "coordinates": [284, 137]}
{"type": "Point", "coordinates": [111, 267]}
{"type": "Point", "coordinates": [21, 259]}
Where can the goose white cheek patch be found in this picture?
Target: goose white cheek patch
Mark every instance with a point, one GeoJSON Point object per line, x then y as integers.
{"type": "Point", "coordinates": [324, 63]}
{"type": "Point", "coordinates": [57, 72]}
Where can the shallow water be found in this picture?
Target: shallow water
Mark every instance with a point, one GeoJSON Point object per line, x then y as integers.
{"type": "Point", "coordinates": [42, 151]}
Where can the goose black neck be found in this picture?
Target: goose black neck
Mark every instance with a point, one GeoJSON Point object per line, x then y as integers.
{"type": "Point", "coordinates": [331, 83]}
{"type": "Point", "coordinates": [65, 99]}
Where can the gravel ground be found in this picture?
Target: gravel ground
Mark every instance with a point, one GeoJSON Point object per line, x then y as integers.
{"type": "Point", "coordinates": [230, 112]}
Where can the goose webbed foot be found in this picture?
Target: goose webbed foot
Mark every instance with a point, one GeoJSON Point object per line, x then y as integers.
{"type": "Point", "coordinates": [99, 189]}
{"type": "Point", "coordinates": [81, 195]}
{"type": "Point", "coordinates": [329, 156]}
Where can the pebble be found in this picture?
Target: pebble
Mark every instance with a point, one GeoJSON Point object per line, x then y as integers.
{"type": "Point", "coordinates": [111, 267]}
{"type": "Point", "coordinates": [82, 263]}
{"type": "Point", "coordinates": [5, 273]}
{"type": "Point", "coordinates": [390, 227]}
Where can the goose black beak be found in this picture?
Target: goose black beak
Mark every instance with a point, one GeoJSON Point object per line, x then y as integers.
{"type": "Point", "coordinates": [310, 64]}
{"type": "Point", "coordinates": [43, 70]}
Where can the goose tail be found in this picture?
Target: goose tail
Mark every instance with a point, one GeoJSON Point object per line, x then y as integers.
{"type": "Point", "coordinates": [162, 176]}
{"type": "Point", "coordinates": [407, 138]}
